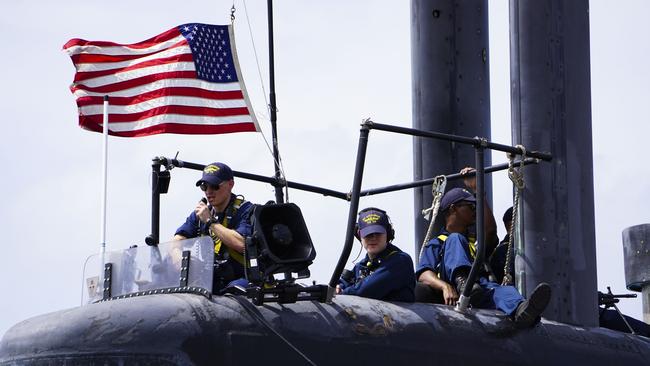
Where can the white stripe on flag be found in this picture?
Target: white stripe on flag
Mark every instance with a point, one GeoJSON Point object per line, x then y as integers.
{"type": "Point", "coordinates": [122, 50]}
{"type": "Point", "coordinates": [163, 101]}
{"type": "Point", "coordinates": [179, 119]}
{"type": "Point", "coordinates": [134, 74]}
{"type": "Point", "coordinates": [165, 83]}
{"type": "Point", "coordinates": [83, 67]}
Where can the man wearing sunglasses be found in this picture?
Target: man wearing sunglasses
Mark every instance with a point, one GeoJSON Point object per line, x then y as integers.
{"type": "Point", "coordinates": [226, 218]}
{"type": "Point", "coordinates": [446, 261]}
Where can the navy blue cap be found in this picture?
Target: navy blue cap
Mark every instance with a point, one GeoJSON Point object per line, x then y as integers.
{"type": "Point", "coordinates": [215, 173]}
{"type": "Point", "coordinates": [456, 195]}
{"type": "Point", "coordinates": [372, 222]}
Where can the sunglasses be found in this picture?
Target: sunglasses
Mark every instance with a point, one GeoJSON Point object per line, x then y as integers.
{"type": "Point", "coordinates": [204, 186]}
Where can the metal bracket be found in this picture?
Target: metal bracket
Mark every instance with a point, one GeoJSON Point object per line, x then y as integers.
{"type": "Point", "coordinates": [185, 268]}
{"type": "Point", "coordinates": [108, 272]}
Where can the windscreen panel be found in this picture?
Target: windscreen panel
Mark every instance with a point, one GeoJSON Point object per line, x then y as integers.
{"type": "Point", "coordinates": [150, 268]}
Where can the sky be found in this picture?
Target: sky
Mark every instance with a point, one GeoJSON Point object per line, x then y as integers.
{"type": "Point", "coordinates": [337, 63]}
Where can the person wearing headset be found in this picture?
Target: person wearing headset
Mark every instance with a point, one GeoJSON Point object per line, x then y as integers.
{"type": "Point", "coordinates": [226, 218]}
{"type": "Point", "coordinates": [386, 272]}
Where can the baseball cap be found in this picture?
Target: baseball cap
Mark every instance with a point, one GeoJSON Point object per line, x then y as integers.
{"type": "Point", "coordinates": [215, 173]}
{"type": "Point", "coordinates": [372, 222]}
{"type": "Point", "coordinates": [456, 195]}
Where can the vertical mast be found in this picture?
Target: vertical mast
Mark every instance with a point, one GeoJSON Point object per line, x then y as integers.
{"type": "Point", "coordinates": [451, 90]}
{"type": "Point", "coordinates": [551, 110]}
{"type": "Point", "coordinates": [279, 197]}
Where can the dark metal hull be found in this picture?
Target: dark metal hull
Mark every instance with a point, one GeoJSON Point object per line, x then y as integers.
{"type": "Point", "coordinates": [184, 329]}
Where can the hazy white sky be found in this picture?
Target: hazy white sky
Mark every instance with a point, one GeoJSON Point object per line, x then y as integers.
{"type": "Point", "coordinates": [336, 63]}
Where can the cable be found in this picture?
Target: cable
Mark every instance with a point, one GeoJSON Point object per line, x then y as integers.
{"type": "Point", "coordinates": [247, 306]}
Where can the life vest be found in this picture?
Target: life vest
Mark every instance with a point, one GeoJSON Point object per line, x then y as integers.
{"type": "Point", "coordinates": [224, 251]}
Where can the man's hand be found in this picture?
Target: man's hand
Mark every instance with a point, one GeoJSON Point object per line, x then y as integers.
{"type": "Point", "coordinates": [338, 289]}
{"type": "Point", "coordinates": [202, 212]}
{"type": "Point", "coordinates": [470, 182]}
{"type": "Point", "coordinates": [449, 294]}
{"type": "Point", "coordinates": [431, 279]}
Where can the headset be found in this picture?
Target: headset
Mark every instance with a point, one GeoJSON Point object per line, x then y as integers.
{"type": "Point", "coordinates": [390, 232]}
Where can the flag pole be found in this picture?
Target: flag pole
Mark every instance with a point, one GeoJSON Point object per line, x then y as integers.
{"type": "Point", "coordinates": [102, 245]}
{"type": "Point", "coordinates": [279, 196]}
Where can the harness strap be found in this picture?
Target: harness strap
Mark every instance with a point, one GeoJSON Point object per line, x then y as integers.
{"type": "Point", "coordinates": [443, 238]}
{"type": "Point", "coordinates": [230, 212]}
{"type": "Point", "coordinates": [472, 245]}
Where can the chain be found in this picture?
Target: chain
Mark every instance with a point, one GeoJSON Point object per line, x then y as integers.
{"type": "Point", "coordinates": [516, 175]}
{"type": "Point", "coordinates": [437, 191]}
{"type": "Point", "coordinates": [232, 13]}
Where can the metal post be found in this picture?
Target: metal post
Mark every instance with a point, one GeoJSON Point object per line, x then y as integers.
{"type": "Point", "coordinates": [154, 238]}
{"type": "Point", "coordinates": [102, 245]}
{"type": "Point", "coordinates": [463, 302]}
{"type": "Point", "coordinates": [279, 196]}
{"type": "Point", "coordinates": [354, 207]}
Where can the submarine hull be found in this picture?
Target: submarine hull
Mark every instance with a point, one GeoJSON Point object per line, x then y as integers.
{"type": "Point", "coordinates": [187, 329]}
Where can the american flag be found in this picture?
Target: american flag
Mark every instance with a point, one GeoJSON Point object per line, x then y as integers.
{"type": "Point", "coordinates": [186, 80]}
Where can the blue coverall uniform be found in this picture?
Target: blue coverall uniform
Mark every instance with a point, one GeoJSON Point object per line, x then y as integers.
{"type": "Point", "coordinates": [388, 277]}
{"type": "Point", "coordinates": [445, 257]}
{"type": "Point", "coordinates": [227, 270]}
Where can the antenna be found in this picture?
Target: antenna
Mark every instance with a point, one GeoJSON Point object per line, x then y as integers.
{"type": "Point", "coordinates": [279, 196]}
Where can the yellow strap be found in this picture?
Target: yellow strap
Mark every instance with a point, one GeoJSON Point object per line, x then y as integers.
{"type": "Point", "coordinates": [217, 241]}
{"type": "Point", "coordinates": [472, 244]}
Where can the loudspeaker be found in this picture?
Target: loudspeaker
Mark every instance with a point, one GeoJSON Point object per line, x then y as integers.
{"type": "Point", "coordinates": [280, 242]}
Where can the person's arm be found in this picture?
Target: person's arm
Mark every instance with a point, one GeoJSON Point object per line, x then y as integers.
{"type": "Point", "coordinates": [431, 279]}
{"type": "Point", "coordinates": [189, 229]}
{"type": "Point", "coordinates": [427, 275]}
{"type": "Point", "coordinates": [490, 225]}
{"type": "Point", "coordinates": [394, 273]}
{"type": "Point", "coordinates": [229, 237]}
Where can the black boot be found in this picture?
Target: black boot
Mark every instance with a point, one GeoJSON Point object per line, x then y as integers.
{"type": "Point", "coordinates": [528, 312]}
{"type": "Point", "coordinates": [460, 279]}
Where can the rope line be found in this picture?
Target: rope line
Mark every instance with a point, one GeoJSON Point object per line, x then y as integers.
{"type": "Point", "coordinates": [437, 191]}
{"type": "Point", "coordinates": [516, 175]}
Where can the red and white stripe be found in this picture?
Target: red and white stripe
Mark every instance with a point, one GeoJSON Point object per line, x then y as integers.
{"type": "Point", "coordinates": [153, 88]}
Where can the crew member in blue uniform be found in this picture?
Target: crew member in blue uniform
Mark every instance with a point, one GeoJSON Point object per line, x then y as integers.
{"type": "Point", "coordinates": [386, 272]}
{"type": "Point", "coordinates": [449, 258]}
{"type": "Point", "coordinates": [498, 258]}
{"type": "Point", "coordinates": [225, 217]}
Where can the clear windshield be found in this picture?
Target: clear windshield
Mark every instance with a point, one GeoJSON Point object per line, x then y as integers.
{"type": "Point", "coordinates": [149, 268]}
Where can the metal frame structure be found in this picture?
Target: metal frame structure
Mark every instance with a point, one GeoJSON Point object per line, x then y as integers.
{"type": "Point", "coordinates": [161, 178]}
{"type": "Point", "coordinates": [479, 144]}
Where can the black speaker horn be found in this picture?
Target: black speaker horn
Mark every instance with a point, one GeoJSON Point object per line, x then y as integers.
{"type": "Point", "coordinates": [280, 242]}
